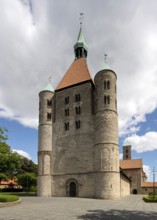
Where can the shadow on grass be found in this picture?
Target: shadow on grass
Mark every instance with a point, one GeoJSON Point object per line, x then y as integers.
{"type": "Point", "coordinates": [118, 215]}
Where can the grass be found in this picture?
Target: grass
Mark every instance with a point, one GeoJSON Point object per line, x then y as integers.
{"type": "Point", "coordinates": [8, 198]}
{"type": "Point", "coordinates": [19, 194]}
{"type": "Point", "coordinates": [150, 199]}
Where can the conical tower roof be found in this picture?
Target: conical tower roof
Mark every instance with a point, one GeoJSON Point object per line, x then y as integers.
{"type": "Point", "coordinates": [80, 48]}
{"type": "Point", "coordinates": [48, 87]}
{"type": "Point", "coordinates": [80, 41]}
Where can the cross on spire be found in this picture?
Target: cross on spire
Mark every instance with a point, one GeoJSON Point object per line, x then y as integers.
{"type": "Point", "coordinates": [105, 57]}
{"type": "Point", "coordinates": [81, 18]}
{"type": "Point", "coordinates": [50, 77]}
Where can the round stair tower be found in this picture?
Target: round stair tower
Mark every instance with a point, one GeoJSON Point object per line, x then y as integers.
{"type": "Point", "coordinates": [106, 149]}
{"type": "Point", "coordinates": [45, 141]}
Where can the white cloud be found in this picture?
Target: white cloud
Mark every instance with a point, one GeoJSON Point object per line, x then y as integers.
{"type": "Point", "coordinates": [147, 142]}
{"type": "Point", "coordinates": [36, 41]}
{"type": "Point", "coordinates": [148, 172]}
{"type": "Point", "coordinates": [23, 153]}
{"type": "Point", "coordinates": [120, 156]}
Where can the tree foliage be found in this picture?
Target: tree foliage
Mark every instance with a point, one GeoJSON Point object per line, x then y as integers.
{"type": "Point", "coordinates": [27, 180]}
{"type": "Point", "coordinates": [3, 176]}
{"type": "Point", "coordinates": [11, 163]}
{"type": "Point", "coordinates": [3, 135]}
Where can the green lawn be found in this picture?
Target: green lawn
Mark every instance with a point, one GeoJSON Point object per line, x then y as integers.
{"type": "Point", "coordinates": [8, 198]}
{"type": "Point", "coordinates": [19, 193]}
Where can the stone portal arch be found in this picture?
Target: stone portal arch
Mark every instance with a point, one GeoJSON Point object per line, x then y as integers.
{"type": "Point", "coordinates": [134, 191]}
{"type": "Point", "coordinates": [72, 188]}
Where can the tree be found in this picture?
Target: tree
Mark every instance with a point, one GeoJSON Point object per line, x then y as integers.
{"type": "Point", "coordinates": [3, 176]}
{"type": "Point", "coordinates": [12, 163]}
{"type": "Point", "coordinates": [4, 150]}
{"type": "Point", "coordinates": [27, 180]}
{"type": "Point", "coordinates": [3, 135]}
{"type": "Point", "coordinates": [28, 166]}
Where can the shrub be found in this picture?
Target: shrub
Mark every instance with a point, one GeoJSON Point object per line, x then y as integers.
{"type": "Point", "coordinates": [8, 198]}
{"type": "Point", "coordinates": [150, 199]}
{"type": "Point", "coordinates": [12, 190]}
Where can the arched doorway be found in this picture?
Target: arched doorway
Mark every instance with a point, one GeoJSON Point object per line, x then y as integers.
{"type": "Point", "coordinates": [72, 188]}
{"type": "Point", "coordinates": [134, 191]}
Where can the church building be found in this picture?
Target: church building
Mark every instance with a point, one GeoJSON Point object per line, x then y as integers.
{"type": "Point", "coordinates": [78, 152]}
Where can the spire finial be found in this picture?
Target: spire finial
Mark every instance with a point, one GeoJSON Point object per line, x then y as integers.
{"type": "Point", "coordinates": [50, 78]}
{"type": "Point", "coordinates": [105, 57]}
{"type": "Point", "coordinates": [81, 18]}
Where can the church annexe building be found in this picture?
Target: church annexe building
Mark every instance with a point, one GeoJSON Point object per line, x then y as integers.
{"type": "Point", "coordinates": [78, 152]}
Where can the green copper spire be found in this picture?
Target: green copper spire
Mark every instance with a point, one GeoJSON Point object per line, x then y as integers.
{"type": "Point", "coordinates": [80, 47]}
{"type": "Point", "coordinates": [105, 65]}
{"type": "Point", "coordinates": [49, 88]}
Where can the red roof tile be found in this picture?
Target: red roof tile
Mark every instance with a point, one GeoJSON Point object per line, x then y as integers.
{"type": "Point", "coordinates": [131, 164]}
{"type": "Point", "coordinates": [148, 184]}
{"type": "Point", "coordinates": [77, 73]}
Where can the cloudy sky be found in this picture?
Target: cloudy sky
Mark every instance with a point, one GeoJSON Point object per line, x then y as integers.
{"type": "Point", "coordinates": [36, 42]}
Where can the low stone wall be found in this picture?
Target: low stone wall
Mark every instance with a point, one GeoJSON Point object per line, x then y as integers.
{"type": "Point", "coordinates": [125, 184]}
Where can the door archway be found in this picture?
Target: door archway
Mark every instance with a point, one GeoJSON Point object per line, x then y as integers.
{"type": "Point", "coordinates": [134, 191]}
{"type": "Point", "coordinates": [72, 188]}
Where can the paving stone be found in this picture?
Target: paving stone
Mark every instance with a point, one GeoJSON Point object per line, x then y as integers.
{"type": "Point", "coordinates": [131, 207]}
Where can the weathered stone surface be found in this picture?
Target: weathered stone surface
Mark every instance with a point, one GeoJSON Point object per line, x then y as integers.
{"type": "Point", "coordinates": [79, 146]}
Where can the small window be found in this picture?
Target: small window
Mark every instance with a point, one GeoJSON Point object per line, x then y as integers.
{"type": "Point", "coordinates": [66, 112]}
{"type": "Point", "coordinates": [77, 98]}
{"type": "Point", "coordinates": [66, 126]}
{"type": "Point", "coordinates": [126, 151]}
{"type": "Point", "coordinates": [106, 99]}
{"type": "Point", "coordinates": [145, 189]}
{"type": "Point", "coordinates": [107, 85]}
{"type": "Point", "coordinates": [67, 100]}
{"type": "Point", "coordinates": [49, 103]}
{"type": "Point", "coordinates": [78, 110]}
{"type": "Point", "coordinates": [49, 116]}
{"type": "Point", "coordinates": [126, 156]}
{"type": "Point", "coordinates": [77, 124]}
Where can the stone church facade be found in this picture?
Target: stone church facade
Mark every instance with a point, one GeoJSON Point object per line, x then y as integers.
{"type": "Point", "coordinates": [78, 152]}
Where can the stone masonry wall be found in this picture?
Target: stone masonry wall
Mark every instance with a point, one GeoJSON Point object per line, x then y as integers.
{"type": "Point", "coordinates": [124, 186]}
{"type": "Point", "coordinates": [106, 161]}
{"type": "Point", "coordinates": [73, 149]}
{"type": "Point", "coordinates": [136, 176]}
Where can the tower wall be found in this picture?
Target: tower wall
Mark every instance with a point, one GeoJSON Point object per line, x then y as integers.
{"type": "Point", "coordinates": [45, 143]}
{"type": "Point", "coordinates": [72, 157]}
{"type": "Point", "coordinates": [106, 149]}
{"type": "Point", "coordinates": [127, 152]}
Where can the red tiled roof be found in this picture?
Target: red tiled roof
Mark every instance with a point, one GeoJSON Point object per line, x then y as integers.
{"type": "Point", "coordinates": [3, 182]}
{"type": "Point", "coordinates": [77, 73]}
{"type": "Point", "coordinates": [131, 164]}
{"type": "Point", "coordinates": [148, 184]}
